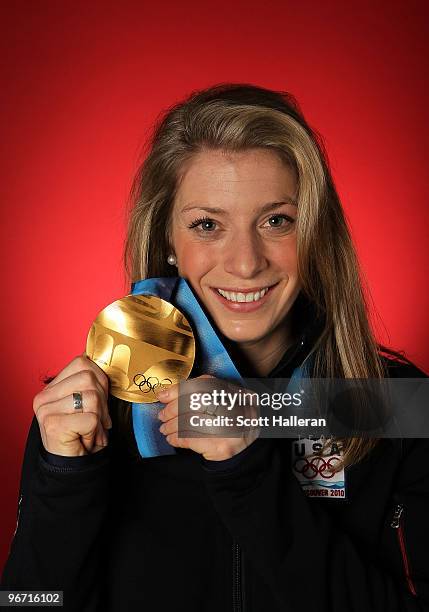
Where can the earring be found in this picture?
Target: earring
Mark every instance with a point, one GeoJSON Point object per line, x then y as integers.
{"type": "Point", "coordinates": [172, 260]}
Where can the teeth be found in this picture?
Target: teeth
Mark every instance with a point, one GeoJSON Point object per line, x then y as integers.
{"type": "Point", "coordinates": [243, 297]}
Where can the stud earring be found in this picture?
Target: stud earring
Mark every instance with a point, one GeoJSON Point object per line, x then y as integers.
{"type": "Point", "coordinates": [172, 260]}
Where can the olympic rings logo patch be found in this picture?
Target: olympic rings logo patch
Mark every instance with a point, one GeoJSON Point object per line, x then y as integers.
{"type": "Point", "coordinates": [317, 466]}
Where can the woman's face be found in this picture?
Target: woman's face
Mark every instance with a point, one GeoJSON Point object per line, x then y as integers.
{"type": "Point", "coordinates": [233, 231]}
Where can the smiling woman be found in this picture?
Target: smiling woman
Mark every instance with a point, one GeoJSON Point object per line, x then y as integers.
{"type": "Point", "coordinates": [237, 189]}
{"type": "Point", "coordinates": [242, 260]}
{"type": "Point", "coordinates": [235, 195]}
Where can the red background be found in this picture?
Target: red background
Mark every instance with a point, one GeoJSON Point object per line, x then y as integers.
{"type": "Point", "coordinates": [81, 85]}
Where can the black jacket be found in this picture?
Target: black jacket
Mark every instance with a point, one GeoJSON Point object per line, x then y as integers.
{"type": "Point", "coordinates": [181, 533]}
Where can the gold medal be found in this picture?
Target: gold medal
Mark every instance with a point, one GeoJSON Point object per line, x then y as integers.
{"type": "Point", "coordinates": [142, 343]}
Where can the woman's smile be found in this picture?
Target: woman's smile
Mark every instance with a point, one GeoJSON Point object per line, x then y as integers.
{"type": "Point", "coordinates": [244, 300]}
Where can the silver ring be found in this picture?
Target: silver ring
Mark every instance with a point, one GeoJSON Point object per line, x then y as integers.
{"type": "Point", "coordinates": [77, 401]}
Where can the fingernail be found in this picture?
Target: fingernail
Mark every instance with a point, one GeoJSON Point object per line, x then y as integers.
{"type": "Point", "coordinates": [161, 393]}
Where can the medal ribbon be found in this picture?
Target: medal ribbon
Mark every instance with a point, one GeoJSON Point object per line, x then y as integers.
{"type": "Point", "coordinates": [211, 357]}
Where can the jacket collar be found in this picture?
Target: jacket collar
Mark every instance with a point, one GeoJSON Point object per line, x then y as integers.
{"type": "Point", "coordinates": [309, 325]}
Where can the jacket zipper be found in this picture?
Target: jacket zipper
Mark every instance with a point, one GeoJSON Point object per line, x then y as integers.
{"type": "Point", "coordinates": [397, 524]}
{"type": "Point", "coordinates": [236, 579]}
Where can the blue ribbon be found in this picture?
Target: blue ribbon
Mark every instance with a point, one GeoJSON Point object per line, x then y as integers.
{"type": "Point", "coordinates": [211, 358]}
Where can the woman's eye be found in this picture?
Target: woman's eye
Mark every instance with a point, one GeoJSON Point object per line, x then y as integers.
{"type": "Point", "coordinates": [207, 225]}
{"type": "Point", "coordinates": [281, 221]}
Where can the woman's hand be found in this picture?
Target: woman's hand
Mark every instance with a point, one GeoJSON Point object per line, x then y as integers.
{"type": "Point", "coordinates": [64, 430]}
{"type": "Point", "coordinates": [211, 448]}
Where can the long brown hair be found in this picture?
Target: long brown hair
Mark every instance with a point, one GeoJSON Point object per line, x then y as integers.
{"type": "Point", "coordinates": [237, 117]}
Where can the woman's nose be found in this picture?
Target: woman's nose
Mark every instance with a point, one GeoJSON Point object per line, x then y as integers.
{"type": "Point", "coordinates": [244, 256]}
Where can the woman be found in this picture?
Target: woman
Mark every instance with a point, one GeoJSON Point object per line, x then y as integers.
{"type": "Point", "coordinates": [236, 196]}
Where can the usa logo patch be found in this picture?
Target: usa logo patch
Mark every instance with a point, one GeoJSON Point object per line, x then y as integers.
{"type": "Point", "coordinates": [315, 471]}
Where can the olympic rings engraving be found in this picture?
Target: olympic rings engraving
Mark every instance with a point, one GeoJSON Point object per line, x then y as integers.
{"type": "Point", "coordinates": [324, 468]}
{"type": "Point", "coordinates": [151, 386]}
